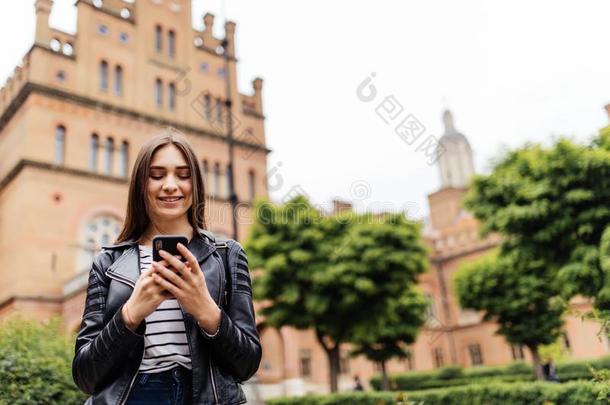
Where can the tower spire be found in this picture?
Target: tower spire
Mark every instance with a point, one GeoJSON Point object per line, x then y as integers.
{"type": "Point", "coordinates": [456, 163]}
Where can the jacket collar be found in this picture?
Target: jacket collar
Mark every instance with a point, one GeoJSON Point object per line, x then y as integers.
{"type": "Point", "coordinates": [126, 267]}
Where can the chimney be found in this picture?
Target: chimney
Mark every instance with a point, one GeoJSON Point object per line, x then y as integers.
{"type": "Point", "coordinates": [230, 36]}
{"type": "Point", "coordinates": [341, 206]}
{"type": "Point", "coordinates": [43, 30]}
{"type": "Point", "coordinates": [208, 27]}
{"type": "Point", "coordinates": [257, 84]}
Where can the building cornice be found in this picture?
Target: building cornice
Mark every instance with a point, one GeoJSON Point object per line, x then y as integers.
{"type": "Point", "coordinates": [30, 88]}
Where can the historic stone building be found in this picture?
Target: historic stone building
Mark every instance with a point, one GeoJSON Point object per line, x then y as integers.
{"type": "Point", "coordinates": [72, 118]}
{"type": "Point", "coordinates": [452, 335]}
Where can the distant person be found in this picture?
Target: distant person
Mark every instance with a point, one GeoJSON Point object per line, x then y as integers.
{"type": "Point", "coordinates": [358, 384]}
{"type": "Point", "coordinates": [550, 372]}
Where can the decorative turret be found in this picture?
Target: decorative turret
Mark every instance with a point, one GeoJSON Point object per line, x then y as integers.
{"type": "Point", "coordinates": [257, 84]}
{"type": "Point", "coordinates": [230, 36]}
{"type": "Point", "coordinates": [208, 27]}
{"type": "Point", "coordinates": [455, 163]}
{"type": "Point", "coordinates": [43, 30]}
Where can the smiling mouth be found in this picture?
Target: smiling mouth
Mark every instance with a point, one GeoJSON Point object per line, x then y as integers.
{"type": "Point", "coordinates": [170, 199]}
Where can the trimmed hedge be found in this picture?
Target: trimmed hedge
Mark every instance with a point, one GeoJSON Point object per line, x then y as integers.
{"type": "Point", "coordinates": [537, 393]}
{"type": "Point", "coordinates": [36, 364]}
{"type": "Point", "coordinates": [456, 376]}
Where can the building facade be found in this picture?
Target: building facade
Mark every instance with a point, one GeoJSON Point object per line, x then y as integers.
{"type": "Point", "coordinates": [72, 118]}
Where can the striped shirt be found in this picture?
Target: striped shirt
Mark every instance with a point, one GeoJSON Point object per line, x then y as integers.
{"type": "Point", "coordinates": [165, 343]}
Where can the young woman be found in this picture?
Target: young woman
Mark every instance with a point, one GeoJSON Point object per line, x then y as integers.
{"type": "Point", "coordinates": [159, 333]}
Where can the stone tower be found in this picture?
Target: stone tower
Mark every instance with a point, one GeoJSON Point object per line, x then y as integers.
{"type": "Point", "coordinates": [455, 164]}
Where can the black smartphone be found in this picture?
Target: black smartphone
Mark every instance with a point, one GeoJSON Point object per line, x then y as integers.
{"type": "Point", "coordinates": [169, 243]}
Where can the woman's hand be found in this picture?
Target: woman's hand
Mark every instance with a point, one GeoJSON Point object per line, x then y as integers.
{"type": "Point", "coordinates": [145, 298]}
{"type": "Point", "coordinates": [188, 285]}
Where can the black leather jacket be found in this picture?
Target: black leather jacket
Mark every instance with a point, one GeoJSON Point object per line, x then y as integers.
{"type": "Point", "coordinates": [108, 354]}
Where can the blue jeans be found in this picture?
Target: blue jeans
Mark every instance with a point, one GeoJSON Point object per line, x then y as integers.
{"type": "Point", "coordinates": [170, 387]}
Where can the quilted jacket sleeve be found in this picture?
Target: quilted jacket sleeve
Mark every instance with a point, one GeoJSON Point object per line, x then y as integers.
{"type": "Point", "coordinates": [236, 342]}
{"type": "Point", "coordinates": [100, 347]}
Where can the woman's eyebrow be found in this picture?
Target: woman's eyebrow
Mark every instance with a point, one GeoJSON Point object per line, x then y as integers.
{"type": "Point", "coordinates": [163, 167]}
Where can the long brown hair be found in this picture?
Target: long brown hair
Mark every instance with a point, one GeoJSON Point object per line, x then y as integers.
{"type": "Point", "coordinates": [137, 218]}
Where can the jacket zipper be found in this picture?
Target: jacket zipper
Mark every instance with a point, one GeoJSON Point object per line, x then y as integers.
{"type": "Point", "coordinates": [124, 280]}
{"type": "Point", "coordinates": [220, 288]}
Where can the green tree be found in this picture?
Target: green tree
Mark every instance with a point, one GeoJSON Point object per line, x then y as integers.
{"type": "Point", "coordinates": [400, 326]}
{"type": "Point", "coordinates": [551, 206]}
{"type": "Point", "coordinates": [36, 364]}
{"type": "Point", "coordinates": [516, 294]}
{"type": "Point", "coordinates": [335, 274]}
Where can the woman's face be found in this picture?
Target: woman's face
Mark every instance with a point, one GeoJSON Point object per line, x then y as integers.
{"type": "Point", "coordinates": [170, 185]}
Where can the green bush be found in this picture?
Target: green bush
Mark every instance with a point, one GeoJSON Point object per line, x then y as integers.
{"type": "Point", "coordinates": [36, 364]}
{"type": "Point", "coordinates": [517, 371]}
{"type": "Point", "coordinates": [536, 393]}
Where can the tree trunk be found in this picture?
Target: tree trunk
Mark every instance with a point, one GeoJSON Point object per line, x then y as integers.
{"type": "Point", "coordinates": [332, 354]}
{"type": "Point", "coordinates": [537, 364]}
{"type": "Point", "coordinates": [385, 382]}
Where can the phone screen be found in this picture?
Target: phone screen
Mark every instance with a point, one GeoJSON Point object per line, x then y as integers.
{"type": "Point", "coordinates": [169, 243]}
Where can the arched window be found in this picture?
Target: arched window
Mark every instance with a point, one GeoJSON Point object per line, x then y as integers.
{"type": "Point", "coordinates": [206, 175]}
{"type": "Point", "coordinates": [219, 112]}
{"type": "Point", "coordinates": [171, 43]}
{"type": "Point", "coordinates": [216, 181]}
{"type": "Point", "coordinates": [103, 75]}
{"type": "Point", "coordinates": [124, 158]}
{"type": "Point", "coordinates": [251, 184]}
{"type": "Point", "coordinates": [207, 106]}
{"type": "Point", "coordinates": [118, 80]}
{"type": "Point", "coordinates": [227, 191]}
{"type": "Point", "coordinates": [60, 144]}
{"type": "Point", "coordinates": [172, 96]}
{"type": "Point", "coordinates": [98, 231]}
{"type": "Point", "coordinates": [159, 38]}
{"type": "Point", "coordinates": [109, 153]}
{"type": "Point", "coordinates": [95, 143]}
{"type": "Point", "coordinates": [159, 92]}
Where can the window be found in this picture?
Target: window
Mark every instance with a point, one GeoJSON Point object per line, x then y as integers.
{"type": "Point", "coordinates": [61, 76]}
{"type": "Point", "coordinates": [123, 37]}
{"type": "Point", "coordinates": [344, 363]}
{"type": "Point", "coordinates": [476, 357]}
{"type": "Point", "coordinates": [158, 38]}
{"type": "Point", "coordinates": [60, 141]}
{"type": "Point", "coordinates": [251, 185]}
{"type": "Point", "coordinates": [219, 112]}
{"type": "Point", "coordinates": [216, 180]}
{"type": "Point", "coordinates": [109, 152]}
{"type": "Point", "coordinates": [221, 72]}
{"type": "Point", "coordinates": [437, 356]}
{"type": "Point", "coordinates": [95, 141]}
{"type": "Point", "coordinates": [103, 75]}
{"type": "Point", "coordinates": [55, 45]}
{"type": "Point", "coordinates": [206, 175]}
{"type": "Point", "coordinates": [125, 13]}
{"type": "Point", "coordinates": [566, 340]}
{"type": "Point", "coordinates": [124, 158]}
{"type": "Point", "coordinates": [228, 183]}
{"type": "Point", "coordinates": [118, 80]}
{"type": "Point", "coordinates": [159, 93]}
{"type": "Point", "coordinates": [172, 96]}
{"type": "Point", "coordinates": [305, 362]}
{"type": "Point", "coordinates": [97, 231]}
{"type": "Point", "coordinates": [204, 67]}
{"type": "Point", "coordinates": [430, 311]}
{"type": "Point", "coordinates": [102, 29]}
{"type": "Point", "coordinates": [410, 360]}
{"type": "Point", "coordinates": [207, 106]}
{"type": "Point", "coordinates": [517, 352]}
{"type": "Point", "coordinates": [171, 43]}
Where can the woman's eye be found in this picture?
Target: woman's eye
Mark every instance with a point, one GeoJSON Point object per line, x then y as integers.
{"type": "Point", "coordinates": [156, 177]}
{"type": "Point", "coordinates": [185, 176]}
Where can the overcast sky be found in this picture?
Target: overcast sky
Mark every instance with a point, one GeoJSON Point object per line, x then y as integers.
{"type": "Point", "coordinates": [511, 72]}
